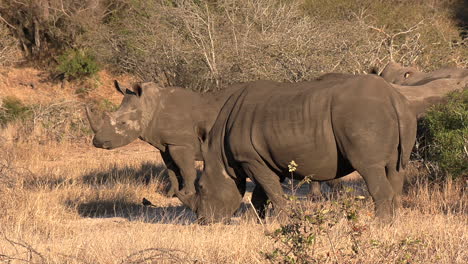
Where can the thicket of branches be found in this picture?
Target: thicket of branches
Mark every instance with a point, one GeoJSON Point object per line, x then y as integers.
{"type": "Point", "coordinates": [205, 44]}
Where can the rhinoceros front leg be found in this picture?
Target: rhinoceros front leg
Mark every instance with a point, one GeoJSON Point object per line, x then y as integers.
{"type": "Point", "coordinates": [269, 186]}
{"type": "Point", "coordinates": [259, 200]}
{"type": "Point", "coordinates": [173, 173]}
{"type": "Point", "coordinates": [184, 159]}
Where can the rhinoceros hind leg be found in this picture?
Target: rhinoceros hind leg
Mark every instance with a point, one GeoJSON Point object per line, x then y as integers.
{"type": "Point", "coordinates": [315, 192]}
{"type": "Point", "coordinates": [396, 179]}
{"type": "Point", "coordinates": [380, 189]}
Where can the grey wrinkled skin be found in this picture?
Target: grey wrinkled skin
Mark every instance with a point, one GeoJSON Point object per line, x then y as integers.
{"type": "Point", "coordinates": [424, 90]}
{"type": "Point", "coordinates": [330, 127]}
{"type": "Point", "coordinates": [397, 74]}
{"type": "Point", "coordinates": [172, 119]}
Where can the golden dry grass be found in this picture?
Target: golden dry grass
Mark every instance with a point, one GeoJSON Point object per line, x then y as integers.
{"type": "Point", "coordinates": [72, 203]}
{"type": "Point", "coordinates": [66, 203]}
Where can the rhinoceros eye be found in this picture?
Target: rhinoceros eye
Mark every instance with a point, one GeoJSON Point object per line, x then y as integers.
{"type": "Point", "coordinates": [123, 123]}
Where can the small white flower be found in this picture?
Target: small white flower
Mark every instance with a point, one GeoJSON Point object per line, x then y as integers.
{"type": "Point", "coordinates": [292, 166]}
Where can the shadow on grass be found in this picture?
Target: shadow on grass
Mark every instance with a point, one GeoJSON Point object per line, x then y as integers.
{"type": "Point", "coordinates": [146, 173]}
{"type": "Point", "coordinates": [134, 212]}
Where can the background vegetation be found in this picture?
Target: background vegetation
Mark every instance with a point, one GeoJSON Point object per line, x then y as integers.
{"type": "Point", "coordinates": [205, 44]}
{"type": "Point", "coordinates": [444, 136]}
{"type": "Point", "coordinates": [63, 201]}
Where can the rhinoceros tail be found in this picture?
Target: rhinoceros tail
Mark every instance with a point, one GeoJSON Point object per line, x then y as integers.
{"type": "Point", "coordinates": [406, 129]}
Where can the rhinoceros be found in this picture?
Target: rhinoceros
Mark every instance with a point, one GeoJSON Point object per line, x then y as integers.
{"type": "Point", "coordinates": [329, 127]}
{"type": "Point", "coordinates": [424, 89]}
{"type": "Point", "coordinates": [172, 119]}
{"type": "Point", "coordinates": [422, 97]}
{"type": "Point", "coordinates": [397, 74]}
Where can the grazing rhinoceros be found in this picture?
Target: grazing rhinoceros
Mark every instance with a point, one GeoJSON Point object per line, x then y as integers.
{"type": "Point", "coordinates": [330, 127]}
{"type": "Point", "coordinates": [172, 119]}
{"type": "Point", "coordinates": [397, 74]}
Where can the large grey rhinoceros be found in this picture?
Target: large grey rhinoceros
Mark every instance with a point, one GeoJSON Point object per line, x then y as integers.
{"type": "Point", "coordinates": [397, 74]}
{"type": "Point", "coordinates": [172, 119]}
{"type": "Point", "coordinates": [329, 127]}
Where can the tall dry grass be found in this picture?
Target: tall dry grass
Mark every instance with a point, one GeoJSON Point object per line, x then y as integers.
{"type": "Point", "coordinates": [72, 203]}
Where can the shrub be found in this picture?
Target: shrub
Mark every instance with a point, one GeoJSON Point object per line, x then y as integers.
{"type": "Point", "coordinates": [204, 45]}
{"type": "Point", "coordinates": [445, 135]}
{"type": "Point", "coordinates": [9, 51]}
{"type": "Point", "coordinates": [45, 28]}
{"type": "Point", "coordinates": [57, 122]}
{"type": "Point", "coordinates": [77, 64]}
{"type": "Point", "coordinates": [13, 109]}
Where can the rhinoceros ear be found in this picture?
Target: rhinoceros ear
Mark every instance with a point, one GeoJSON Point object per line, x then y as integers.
{"type": "Point", "coordinates": [121, 89]}
{"type": "Point", "coordinates": [137, 89]}
{"type": "Point", "coordinates": [118, 87]}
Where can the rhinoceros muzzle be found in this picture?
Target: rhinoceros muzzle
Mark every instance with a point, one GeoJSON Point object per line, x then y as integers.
{"type": "Point", "coordinates": [100, 144]}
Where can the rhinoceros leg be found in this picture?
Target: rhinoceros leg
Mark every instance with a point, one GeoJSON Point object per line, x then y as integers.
{"type": "Point", "coordinates": [396, 179]}
{"type": "Point", "coordinates": [259, 200]}
{"type": "Point", "coordinates": [315, 193]}
{"type": "Point", "coordinates": [380, 189]}
{"type": "Point", "coordinates": [269, 182]}
{"type": "Point", "coordinates": [184, 159]}
{"type": "Point", "coordinates": [174, 175]}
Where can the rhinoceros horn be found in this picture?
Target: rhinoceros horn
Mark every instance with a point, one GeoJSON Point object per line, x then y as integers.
{"type": "Point", "coordinates": [94, 122]}
{"type": "Point", "coordinates": [189, 200]}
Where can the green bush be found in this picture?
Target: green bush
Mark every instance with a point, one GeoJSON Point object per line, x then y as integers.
{"type": "Point", "coordinates": [445, 135]}
{"type": "Point", "coordinates": [77, 64]}
{"type": "Point", "coordinates": [12, 109]}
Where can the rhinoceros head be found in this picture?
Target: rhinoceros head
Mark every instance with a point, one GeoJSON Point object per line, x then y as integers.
{"type": "Point", "coordinates": [217, 197]}
{"type": "Point", "coordinates": [121, 127]}
{"type": "Point", "coordinates": [397, 74]}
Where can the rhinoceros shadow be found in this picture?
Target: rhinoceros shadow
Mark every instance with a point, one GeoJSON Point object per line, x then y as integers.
{"type": "Point", "coordinates": [121, 207]}
{"type": "Point", "coordinates": [134, 212]}
{"type": "Point", "coordinates": [146, 173]}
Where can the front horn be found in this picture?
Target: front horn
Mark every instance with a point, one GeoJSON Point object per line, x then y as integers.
{"type": "Point", "coordinates": [94, 122]}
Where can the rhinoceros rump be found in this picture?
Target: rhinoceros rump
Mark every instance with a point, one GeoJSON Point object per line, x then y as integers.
{"type": "Point", "coordinates": [330, 127]}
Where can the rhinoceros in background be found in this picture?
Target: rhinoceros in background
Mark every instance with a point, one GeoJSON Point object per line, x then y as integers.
{"type": "Point", "coordinates": [172, 119]}
{"type": "Point", "coordinates": [422, 97]}
{"type": "Point", "coordinates": [330, 127]}
{"type": "Point", "coordinates": [424, 89]}
{"type": "Point", "coordinates": [397, 74]}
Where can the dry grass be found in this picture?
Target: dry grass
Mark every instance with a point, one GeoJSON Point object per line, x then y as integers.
{"type": "Point", "coordinates": [68, 203]}
{"type": "Point", "coordinates": [72, 203]}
